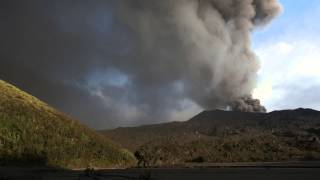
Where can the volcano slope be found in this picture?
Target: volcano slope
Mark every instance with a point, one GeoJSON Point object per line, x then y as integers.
{"type": "Point", "coordinates": [33, 133]}
{"type": "Point", "coordinates": [225, 136]}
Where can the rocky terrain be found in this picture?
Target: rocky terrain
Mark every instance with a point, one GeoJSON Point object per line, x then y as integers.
{"type": "Point", "coordinates": [226, 136]}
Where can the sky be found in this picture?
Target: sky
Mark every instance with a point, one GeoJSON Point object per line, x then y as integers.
{"type": "Point", "coordinates": [85, 61]}
{"type": "Point", "coordinates": [289, 51]}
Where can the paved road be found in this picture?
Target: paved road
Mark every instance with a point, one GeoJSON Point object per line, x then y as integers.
{"type": "Point", "coordinates": [165, 174]}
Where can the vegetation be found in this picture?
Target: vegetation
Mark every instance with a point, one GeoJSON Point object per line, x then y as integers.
{"type": "Point", "coordinates": [220, 136]}
{"type": "Point", "coordinates": [33, 133]}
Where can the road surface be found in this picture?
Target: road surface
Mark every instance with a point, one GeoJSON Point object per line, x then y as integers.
{"type": "Point", "coordinates": [198, 173]}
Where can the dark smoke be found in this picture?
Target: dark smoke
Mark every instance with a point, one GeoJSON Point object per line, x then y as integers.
{"type": "Point", "coordinates": [203, 44]}
{"type": "Point", "coordinates": [247, 104]}
{"type": "Point", "coordinates": [128, 62]}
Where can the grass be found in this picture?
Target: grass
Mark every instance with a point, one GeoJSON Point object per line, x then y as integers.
{"type": "Point", "coordinates": [33, 133]}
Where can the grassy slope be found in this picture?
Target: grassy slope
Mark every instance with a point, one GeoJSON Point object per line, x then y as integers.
{"type": "Point", "coordinates": [31, 132]}
{"type": "Point", "coordinates": [218, 136]}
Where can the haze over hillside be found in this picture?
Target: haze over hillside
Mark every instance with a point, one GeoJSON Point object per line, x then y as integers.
{"type": "Point", "coordinates": [33, 133]}
{"type": "Point", "coordinates": [227, 136]}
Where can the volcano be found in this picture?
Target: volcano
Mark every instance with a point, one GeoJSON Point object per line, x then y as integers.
{"type": "Point", "coordinates": [226, 136]}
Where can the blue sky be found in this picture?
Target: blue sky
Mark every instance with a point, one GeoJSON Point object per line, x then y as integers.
{"type": "Point", "coordinates": [289, 51]}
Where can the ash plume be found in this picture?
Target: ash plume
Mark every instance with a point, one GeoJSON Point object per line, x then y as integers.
{"type": "Point", "coordinates": [129, 62]}
{"type": "Point", "coordinates": [204, 44]}
{"type": "Point", "coordinates": [248, 104]}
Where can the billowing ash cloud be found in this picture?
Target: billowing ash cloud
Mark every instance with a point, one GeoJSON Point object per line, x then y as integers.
{"type": "Point", "coordinates": [128, 62]}
{"type": "Point", "coordinates": [203, 44]}
{"type": "Point", "coordinates": [247, 104]}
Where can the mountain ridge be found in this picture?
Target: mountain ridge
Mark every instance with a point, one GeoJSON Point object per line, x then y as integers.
{"type": "Point", "coordinates": [227, 136]}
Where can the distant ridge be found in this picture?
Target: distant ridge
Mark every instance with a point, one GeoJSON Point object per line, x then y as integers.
{"type": "Point", "coordinates": [219, 136]}
{"type": "Point", "coordinates": [33, 133]}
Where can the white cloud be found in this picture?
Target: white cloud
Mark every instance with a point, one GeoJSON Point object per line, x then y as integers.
{"type": "Point", "coordinates": [285, 64]}
{"type": "Point", "coordinates": [263, 91]}
{"type": "Point", "coordinates": [284, 48]}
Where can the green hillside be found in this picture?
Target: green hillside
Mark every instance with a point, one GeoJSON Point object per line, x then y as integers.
{"type": "Point", "coordinates": [33, 133]}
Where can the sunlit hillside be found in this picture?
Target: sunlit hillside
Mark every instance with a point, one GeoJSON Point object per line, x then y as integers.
{"type": "Point", "coordinates": [33, 133]}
